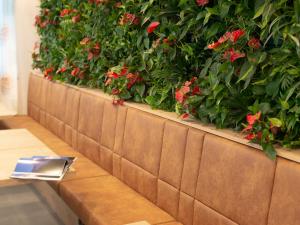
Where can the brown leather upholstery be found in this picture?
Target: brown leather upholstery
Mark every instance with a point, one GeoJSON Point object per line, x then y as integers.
{"type": "Point", "coordinates": [198, 178]}
{"type": "Point", "coordinates": [233, 177]}
{"type": "Point", "coordinates": [107, 201]}
{"type": "Point", "coordinates": [285, 205]}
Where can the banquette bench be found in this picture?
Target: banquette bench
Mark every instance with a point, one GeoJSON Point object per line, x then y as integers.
{"type": "Point", "coordinates": [134, 166]}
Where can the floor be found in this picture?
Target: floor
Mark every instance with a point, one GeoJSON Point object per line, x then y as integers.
{"type": "Point", "coordinates": [23, 205]}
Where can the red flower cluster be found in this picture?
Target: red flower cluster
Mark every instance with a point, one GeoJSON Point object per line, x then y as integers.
{"type": "Point", "coordinates": [129, 18]}
{"type": "Point", "coordinates": [48, 73]}
{"type": "Point", "coordinates": [40, 23]}
{"type": "Point", "coordinates": [66, 12]}
{"type": "Point", "coordinates": [76, 72]}
{"type": "Point", "coordinates": [252, 119]}
{"type": "Point", "coordinates": [202, 2]}
{"type": "Point", "coordinates": [233, 36]}
{"type": "Point", "coordinates": [254, 43]}
{"type": "Point", "coordinates": [152, 27]}
{"type": "Point", "coordinates": [233, 55]}
{"type": "Point", "coordinates": [185, 91]}
{"type": "Point", "coordinates": [61, 70]}
{"type": "Point", "coordinates": [94, 51]}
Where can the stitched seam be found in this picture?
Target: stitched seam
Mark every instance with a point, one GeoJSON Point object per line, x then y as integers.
{"type": "Point", "coordinates": [161, 149]}
{"type": "Point", "coordinates": [122, 143]}
{"type": "Point", "coordinates": [115, 130]}
{"type": "Point", "coordinates": [180, 182]}
{"type": "Point", "coordinates": [272, 190]}
{"type": "Point", "coordinates": [197, 180]}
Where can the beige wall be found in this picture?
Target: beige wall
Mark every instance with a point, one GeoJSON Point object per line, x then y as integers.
{"type": "Point", "coordinates": [26, 36]}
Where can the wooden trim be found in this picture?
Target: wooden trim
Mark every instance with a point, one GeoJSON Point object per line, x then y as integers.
{"type": "Point", "coordinates": [293, 155]}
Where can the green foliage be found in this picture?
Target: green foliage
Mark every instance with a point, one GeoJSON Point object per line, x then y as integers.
{"type": "Point", "coordinates": [242, 56]}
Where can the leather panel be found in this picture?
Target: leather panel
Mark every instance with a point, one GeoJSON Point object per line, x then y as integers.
{"type": "Point", "coordinates": [90, 116]}
{"type": "Point", "coordinates": [72, 107]}
{"type": "Point", "coordinates": [233, 177]}
{"type": "Point", "coordinates": [285, 204]}
{"type": "Point", "coordinates": [43, 118]}
{"type": "Point", "coordinates": [167, 198]}
{"type": "Point", "coordinates": [192, 161]}
{"type": "Point", "coordinates": [143, 140]}
{"type": "Point", "coordinates": [71, 136]}
{"type": "Point", "coordinates": [106, 159]}
{"type": "Point", "coordinates": [139, 179]}
{"type": "Point", "coordinates": [117, 166]}
{"type": "Point", "coordinates": [89, 148]}
{"type": "Point", "coordinates": [58, 101]}
{"type": "Point", "coordinates": [120, 127]}
{"type": "Point", "coordinates": [206, 216]}
{"type": "Point", "coordinates": [172, 156]}
{"type": "Point", "coordinates": [34, 111]}
{"type": "Point", "coordinates": [110, 114]}
{"type": "Point", "coordinates": [185, 209]}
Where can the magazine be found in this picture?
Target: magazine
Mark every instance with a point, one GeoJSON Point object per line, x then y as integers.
{"type": "Point", "coordinates": [42, 167]}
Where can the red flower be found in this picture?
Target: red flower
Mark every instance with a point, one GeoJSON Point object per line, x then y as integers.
{"type": "Point", "coordinates": [108, 81]}
{"type": "Point", "coordinates": [111, 74]}
{"type": "Point", "coordinates": [185, 116]}
{"type": "Point", "coordinates": [48, 71]}
{"type": "Point", "coordinates": [124, 71]}
{"type": "Point", "coordinates": [115, 91]}
{"type": "Point", "coordinates": [152, 27]}
{"type": "Point", "coordinates": [38, 20]}
{"type": "Point", "coordinates": [118, 102]}
{"type": "Point", "coordinates": [90, 55]}
{"type": "Point", "coordinates": [250, 137]}
{"type": "Point", "coordinates": [214, 45]}
{"type": "Point", "coordinates": [254, 43]}
{"type": "Point", "coordinates": [202, 2]}
{"type": "Point", "coordinates": [75, 71]}
{"type": "Point", "coordinates": [179, 96]}
{"type": "Point", "coordinates": [61, 70]}
{"type": "Point", "coordinates": [187, 83]}
{"type": "Point", "coordinates": [251, 119]}
{"type": "Point", "coordinates": [233, 55]}
{"type": "Point", "coordinates": [76, 19]}
{"type": "Point", "coordinates": [65, 12]}
{"type": "Point", "coordinates": [193, 79]}
{"type": "Point", "coordinates": [129, 18]}
{"type": "Point", "coordinates": [185, 89]}
{"type": "Point", "coordinates": [235, 35]}
{"type": "Point", "coordinates": [85, 41]}
{"type": "Point", "coordinates": [96, 49]}
{"type": "Point", "coordinates": [196, 90]}
{"type": "Point", "coordinates": [225, 37]}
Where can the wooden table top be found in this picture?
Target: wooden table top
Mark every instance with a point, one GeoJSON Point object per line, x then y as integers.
{"type": "Point", "coordinates": [17, 143]}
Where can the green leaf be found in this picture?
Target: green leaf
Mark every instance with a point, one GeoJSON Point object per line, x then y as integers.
{"type": "Point", "coordinates": [275, 122]}
{"type": "Point", "coordinates": [260, 10]}
{"type": "Point", "coordinates": [269, 150]}
{"type": "Point", "coordinates": [247, 71]}
{"type": "Point", "coordinates": [140, 88]}
{"type": "Point", "coordinates": [264, 107]}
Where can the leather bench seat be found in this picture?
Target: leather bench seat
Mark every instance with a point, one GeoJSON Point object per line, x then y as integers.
{"type": "Point", "coordinates": [89, 190]}
{"type": "Point", "coordinates": [107, 201]}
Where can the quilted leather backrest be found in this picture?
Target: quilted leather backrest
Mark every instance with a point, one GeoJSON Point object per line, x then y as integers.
{"type": "Point", "coordinates": [198, 178]}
